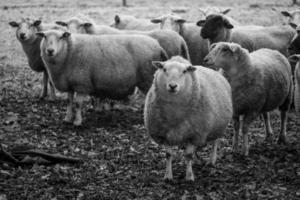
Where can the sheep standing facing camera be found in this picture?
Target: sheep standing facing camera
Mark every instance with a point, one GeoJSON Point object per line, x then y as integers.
{"type": "Point", "coordinates": [261, 81]}
{"type": "Point", "coordinates": [187, 105]}
{"type": "Point", "coordinates": [26, 34]}
{"type": "Point", "coordinates": [102, 66]}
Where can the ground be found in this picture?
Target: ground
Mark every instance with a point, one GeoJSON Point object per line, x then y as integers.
{"type": "Point", "coordinates": [120, 159]}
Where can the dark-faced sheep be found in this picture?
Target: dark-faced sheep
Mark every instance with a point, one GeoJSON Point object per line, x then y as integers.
{"type": "Point", "coordinates": [26, 31]}
{"type": "Point", "coordinates": [187, 106]}
{"type": "Point", "coordinates": [261, 81]}
{"type": "Point", "coordinates": [101, 66]}
{"type": "Point", "coordinates": [216, 28]}
{"type": "Point", "coordinates": [128, 22]}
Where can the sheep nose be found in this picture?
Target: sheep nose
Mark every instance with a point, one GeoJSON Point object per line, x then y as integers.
{"type": "Point", "coordinates": [172, 86]}
{"type": "Point", "coordinates": [205, 60]}
{"type": "Point", "coordinates": [50, 51]}
{"type": "Point", "coordinates": [22, 35]}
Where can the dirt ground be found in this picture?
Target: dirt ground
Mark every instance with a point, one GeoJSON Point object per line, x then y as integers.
{"type": "Point", "coordinates": [120, 160]}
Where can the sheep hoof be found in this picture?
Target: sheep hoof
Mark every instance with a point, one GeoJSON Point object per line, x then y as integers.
{"type": "Point", "coordinates": [269, 139]}
{"type": "Point", "coordinates": [168, 178]}
{"type": "Point", "coordinates": [67, 120]}
{"type": "Point", "coordinates": [189, 177]}
{"type": "Point", "coordinates": [77, 123]}
{"type": "Point", "coordinates": [281, 140]}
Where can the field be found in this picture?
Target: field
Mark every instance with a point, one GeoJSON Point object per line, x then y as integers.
{"type": "Point", "coordinates": [120, 160]}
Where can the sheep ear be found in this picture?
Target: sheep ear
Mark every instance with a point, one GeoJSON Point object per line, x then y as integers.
{"type": "Point", "coordinates": [234, 48]}
{"type": "Point", "coordinates": [190, 68]}
{"type": "Point", "coordinates": [226, 11]}
{"type": "Point", "coordinates": [286, 13]}
{"type": "Point", "coordinates": [40, 34]}
{"type": "Point", "coordinates": [61, 23]}
{"type": "Point", "coordinates": [117, 19]}
{"type": "Point", "coordinates": [87, 25]}
{"type": "Point", "coordinates": [201, 23]}
{"type": "Point", "coordinates": [13, 24]}
{"type": "Point", "coordinates": [65, 35]}
{"type": "Point", "coordinates": [294, 58]}
{"type": "Point", "coordinates": [156, 20]}
{"type": "Point", "coordinates": [180, 21]}
{"type": "Point", "coordinates": [158, 64]}
{"type": "Point", "coordinates": [37, 22]}
{"type": "Point", "coordinates": [227, 24]}
{"type": "Point", "coordinates": [294, 26]}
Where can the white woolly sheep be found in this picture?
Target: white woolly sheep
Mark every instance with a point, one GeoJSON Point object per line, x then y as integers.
{"type": "Point", "coordinates": [296, 58]}
{"type": "Point", "coordinates": [170, 41]}
{"type": "Point", "coordinates": [216, 28]}
{"type": "Point", "coordinates": [292, 17]}
{"type": "Point", "coordinates": [101, 66]}
{"type": "Point", "coordinates": [26, 34]}
{"type": "Point", "coordinates": [197, 46]}
{"type": "Point", "coordinates": [261, 81]}
{"type": "Point", "coordinates": [187, 105]}
{"type": "Point", "coordinates": [128, 22]}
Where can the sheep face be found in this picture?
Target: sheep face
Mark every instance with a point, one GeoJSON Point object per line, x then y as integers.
{"type": "Point", "coordinates": [292, 17]}
{"type": "Point", "coordinates": [53, 42]}
{"type": "Point", "coordinates": [120, 22]}
{"type": "Point", "coordinates": [173, 78]}
{"type": "Point", "coordinates": [223, 55]}
{"type": "Point", "coordinates": [214, 27]}
{"type": "Point", "coordinates": [26, 29]}
{"type": "Point", "coordinates": [169, 22]}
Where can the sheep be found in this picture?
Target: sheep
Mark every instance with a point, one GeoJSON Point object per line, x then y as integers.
{"type": "Point", "coordinates": [261, 81]}
{"type": "Point", "coordinates": [187, 106]}
{"type": "Point", "coordinates": [127, 22]}
{"type": "Point", "coordinates": [102, 66]}
{"type": "Point", "coordinates": [25, 33]}
{"type": "Point", "coordinates": [296, 58]}
{"type": "Point", "coordinates": [170, 41]}
{"type": "Point", "coordinates": [217, 28]}
{"type": "Point", "coordinates": [292, 17]}
{"type": "Point", "coordinates": [197, 46]}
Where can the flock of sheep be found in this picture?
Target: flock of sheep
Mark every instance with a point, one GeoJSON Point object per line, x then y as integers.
{"type": "Point", "coordinates": [246, 73]}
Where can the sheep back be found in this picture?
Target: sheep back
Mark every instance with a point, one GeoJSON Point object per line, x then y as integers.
{"type": "Point", "coordinates": [266, 86]}
{"type": "Point", "coordinates": [105, 66]}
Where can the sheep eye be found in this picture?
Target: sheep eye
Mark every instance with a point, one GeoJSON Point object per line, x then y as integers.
{"type": "Point", "coordinates": [184, 71]}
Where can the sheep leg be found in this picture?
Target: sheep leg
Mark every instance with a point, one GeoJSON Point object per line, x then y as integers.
{"type": "Point", "coordinates": [69, 114]}
{"type": "Point", "coordinates": [282, 136]}
{"type": "Point", "coordinates": [268, 128]}
{"type": "Point", "coordinates": [45, 86]}
{"type": "Point", "coordinates": [246, 123]}
{"type": "Point", "coordinates": [213, 156]}
{"type": "Point", "coordinates": [98, 105]}
{"type": "Point", "coordinates": [235, 141]}
{"type": "Point", "coordinates": [169, 158]}
{"type": "Point", "coordinates": [52, 90]}
{"type": "Point", "coordinates": [189, 153]}
{"type": "Point", "coordinates": [78, 105]}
